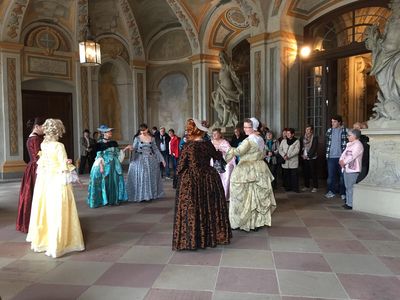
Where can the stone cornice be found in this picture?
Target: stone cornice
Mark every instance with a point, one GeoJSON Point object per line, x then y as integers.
{"type": "Point", "coordinates": [204, 58]}
{"type": "Point", "coordinates": [268, 36]}
{"type": "Point", "coordinates": [11, 47]}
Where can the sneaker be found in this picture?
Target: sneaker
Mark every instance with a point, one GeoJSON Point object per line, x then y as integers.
{"type": "Point", "coordinates": [343, 197]}
{"type": "Point", "coordinates": [314, 190]}
{"type": "Point", "coordinates": [305, 189]}
{"type": "Point", "coordinates": [345, 206]}
{"type": "Point", "coordinates": [329, 195]}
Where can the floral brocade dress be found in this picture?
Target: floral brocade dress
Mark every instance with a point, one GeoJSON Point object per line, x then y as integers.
{"type": "Point", "coordinates": [54, 226]}
{"type": "Point", "coordinates": [107, 188]}
{"type": "Point", "coordinates": [201, 212]}
{"type": "Point", "coordinates": [252, 199]}
{"type": "Point", "coordinates": [28, 183]}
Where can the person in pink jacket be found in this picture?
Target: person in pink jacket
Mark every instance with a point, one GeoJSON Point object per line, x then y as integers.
{"type": "Point", "coordinates": [350, 161]}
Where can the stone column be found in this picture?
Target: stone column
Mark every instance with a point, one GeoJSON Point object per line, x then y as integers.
{"type": "Point", "coordinates": [11, 130]}
{"type": "Point", "coordinates": [379, 192]}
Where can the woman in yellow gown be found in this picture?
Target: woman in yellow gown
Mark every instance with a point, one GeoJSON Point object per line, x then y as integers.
{"type": "Point", "coordinates": [54, 227]}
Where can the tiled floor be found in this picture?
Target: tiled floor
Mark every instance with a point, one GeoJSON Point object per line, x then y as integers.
{"type": "Point", "coordinates": [314, 250]}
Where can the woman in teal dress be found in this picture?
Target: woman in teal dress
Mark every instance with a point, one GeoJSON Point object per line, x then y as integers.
{"type": "Point", "coordinates": [106, 186]}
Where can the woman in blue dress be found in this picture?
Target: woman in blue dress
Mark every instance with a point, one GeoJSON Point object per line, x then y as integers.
{"type": "Point", "coordinates": [106, 186]}
{"type": "Point", "coordinates": [144, 177]}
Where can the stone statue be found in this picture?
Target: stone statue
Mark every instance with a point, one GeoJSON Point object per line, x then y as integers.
{"type": "Point", "coordinates": [110, 108]}
{"type": "Point", "coordinates": [226, 97]}
{"type": "Point", "coordinates": [386, 68]}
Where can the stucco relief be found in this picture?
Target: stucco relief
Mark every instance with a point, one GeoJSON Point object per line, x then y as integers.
{"type": "Point", "coordinates": [85, 97]}
{"type": "Point", "coordinates": [196, 92]}
{"type": "Point", "coordinates": [235, 17]}
{"type": "Point", "coordinates": [187, 25]}
{"type": "Point", "coordinates": [252, 16]}
{"type": "Point", "coordinates": [12, 105]}
{"type": "Point", "coordinates": [82, 18]}
{"type": "Point", "coordinates": [171, 45]}
{"type": "Point", "coordinates": [134, 34]}
{"type": "Point", "coordinates": [14, 21]}
{"type": "Point", "coordinates": [384, 166]}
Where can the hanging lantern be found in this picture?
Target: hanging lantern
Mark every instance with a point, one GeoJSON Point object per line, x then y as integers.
{"type": "Point", "coordinates": [89, 50]}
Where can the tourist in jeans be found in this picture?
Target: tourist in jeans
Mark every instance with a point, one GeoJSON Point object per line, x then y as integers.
{"type": "Point", "coordinates": [309, 148]}
{"type": "Point", "coordinates": [351, 161]}
{"type": "Point", "coordinates": [336, 140]}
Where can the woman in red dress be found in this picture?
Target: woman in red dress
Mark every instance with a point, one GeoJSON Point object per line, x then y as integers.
{"type": "Point", "coordinates": [28, 181]}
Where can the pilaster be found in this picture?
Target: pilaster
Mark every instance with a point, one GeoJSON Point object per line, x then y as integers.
{"type": "Point", "coordinates": [203, 67]}
{"type": "Point", "coordinates": [11, 130]}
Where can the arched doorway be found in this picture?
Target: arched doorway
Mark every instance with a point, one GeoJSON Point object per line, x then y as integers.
{"type": "Point", "coordinates": [336, 75]}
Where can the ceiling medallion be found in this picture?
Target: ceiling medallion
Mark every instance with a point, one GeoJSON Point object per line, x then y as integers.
{"type": "Point", "coordinates": [235, 17]}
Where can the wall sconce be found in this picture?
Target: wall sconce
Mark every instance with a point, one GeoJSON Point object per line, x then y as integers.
{"type": "Point", "coordinates": [89, 50]}
{"type": "Point", "coordinates": [305, 51]}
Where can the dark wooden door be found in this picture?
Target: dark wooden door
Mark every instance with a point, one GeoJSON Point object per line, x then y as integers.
{"type": "Point", "coordinates": [49, 105]}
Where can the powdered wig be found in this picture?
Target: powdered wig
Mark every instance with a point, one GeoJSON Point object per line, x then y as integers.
{"type": "Point", "coordinates": [192, 131]}
{"type": "Point", "coordinates": [53, 129]}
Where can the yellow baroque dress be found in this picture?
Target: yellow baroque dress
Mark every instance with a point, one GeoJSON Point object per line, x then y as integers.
{"type": "Point", "coordinates": [252, 199]}
{"type": "Point", "coordinates": [54, 227]}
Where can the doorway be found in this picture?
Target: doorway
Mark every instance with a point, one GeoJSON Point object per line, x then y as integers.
{"type": "Point", "coordinates": [49, 105]}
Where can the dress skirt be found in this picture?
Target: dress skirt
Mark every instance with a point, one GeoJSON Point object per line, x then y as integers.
{"type": "Point", "coordinates": [201, 210]}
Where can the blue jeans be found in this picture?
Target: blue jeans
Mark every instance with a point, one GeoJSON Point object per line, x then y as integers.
{"type": "Point", "coordinates": [349, 180]}
{"type": "Point", "coordinates": [335, 177]}
{"type": "Point", "coordinates": [174, 164]}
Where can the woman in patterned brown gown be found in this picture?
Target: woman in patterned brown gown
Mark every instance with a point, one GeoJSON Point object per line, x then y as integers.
{"type": "Point", "coordinates": [201, 212]}
{"type": "Point", "coordinates": [28, 181]}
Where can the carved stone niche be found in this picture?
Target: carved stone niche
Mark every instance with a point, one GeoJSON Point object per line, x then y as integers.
{"type": "Point", "coordinates": [379, 192]}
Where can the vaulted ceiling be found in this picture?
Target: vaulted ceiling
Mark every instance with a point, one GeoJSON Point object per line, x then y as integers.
{"type": "Point", "coordinates": [140, 22]}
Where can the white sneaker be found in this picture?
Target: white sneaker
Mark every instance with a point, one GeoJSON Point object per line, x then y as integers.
{"type": "Point", "coordinates": [305, 189]}
{"type": "Point", "coordinates": [314, 190]}
{"type": "Point", "coordinates": [343, 197]}
{"type": "Point", "coordinates": [329, 195]}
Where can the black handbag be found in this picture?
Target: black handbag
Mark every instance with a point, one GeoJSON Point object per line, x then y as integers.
{"type": "Point", "coordinates": [279, 159]}
{"type": "Point", "coordinates": [219, 165]}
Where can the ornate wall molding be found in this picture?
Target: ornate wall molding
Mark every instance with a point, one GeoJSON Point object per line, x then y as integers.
{"type": "Point", "coordinates": [186, 23]}
{"type": "Point", "coordinates": [134, 34]}
{"type": "Point", "coordinates": [257, 86]}
{"type": "Point", "coordinates": [12, 105]}
{"type": "Point", "coordinates": [13, 23]}
{"type": "Point", "coordinates": [85, 98]}
{"type": "Point", "coordinates": [140, 97]}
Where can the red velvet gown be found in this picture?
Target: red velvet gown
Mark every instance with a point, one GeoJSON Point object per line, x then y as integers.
{"type": "Point", "coordinates": [28, 183]}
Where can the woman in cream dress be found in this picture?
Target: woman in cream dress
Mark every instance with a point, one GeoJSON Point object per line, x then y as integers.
{"type": "Point", "coordinates": [54, 226]}
{"type": "Point", "coordinates": [252, 199]}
